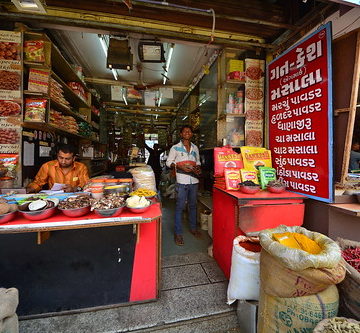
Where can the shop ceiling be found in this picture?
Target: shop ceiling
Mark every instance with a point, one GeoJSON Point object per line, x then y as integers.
{"type": "Point", "coordinates": [195, 29]}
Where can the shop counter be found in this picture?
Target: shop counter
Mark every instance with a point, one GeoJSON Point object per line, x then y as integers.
{"type": "Point", "coordinates": [236, 213]}
{"type": "Point", "coordinates": [84, 264]}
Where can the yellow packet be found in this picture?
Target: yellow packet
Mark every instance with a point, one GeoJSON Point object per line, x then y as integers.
{"type": "Point", "coordinates": [255, 157]}
{"type": "Point", "coordinates": [249, 175]}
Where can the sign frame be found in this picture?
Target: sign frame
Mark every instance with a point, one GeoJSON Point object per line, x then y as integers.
{"type": "Point", "coordinates": [329, 198]}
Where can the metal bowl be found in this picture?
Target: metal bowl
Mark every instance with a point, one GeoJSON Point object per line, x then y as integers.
{"type": "Point", "coordinates": [138, 210]}
{"type": "Point", "coordinates": [276, 189]}
{"type": "Point", "coordinates": [75, 212]}
{"type": "Point", "coordinates": [249, 189]}
{"type": "Point", "coordinates": [112, 212]}
{"type": "Point", "coordinates": [7, 217]}
{"type": "Point", "coordinates": [39, 214]}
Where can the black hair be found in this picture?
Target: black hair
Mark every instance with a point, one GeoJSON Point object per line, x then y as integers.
{"type": "Point", "coordinates": [186, 126]}
{"type": "Point", "coordinates": [65, 148]}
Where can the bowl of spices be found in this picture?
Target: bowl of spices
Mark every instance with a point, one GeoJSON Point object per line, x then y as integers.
{"type": "Point", "coordinates": [249, 187]}
{"type": "Point", "coordinates": [75, 205]}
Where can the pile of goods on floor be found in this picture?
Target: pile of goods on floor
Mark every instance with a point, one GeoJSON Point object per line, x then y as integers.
{"type": "Point", "coordinates": [292, 274]}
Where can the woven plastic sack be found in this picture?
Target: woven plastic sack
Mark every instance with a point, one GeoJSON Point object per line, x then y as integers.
{"type": "Point", "coordinates": [244, 280]}
{"type": "Point", "coordinates": [298, 260]}
{"type": "Point", "coordinates": [298, 314]}
{"type": "Point", "coordinates": [144, 177]}
{"type": "Point", "coordinates": [350, 287]}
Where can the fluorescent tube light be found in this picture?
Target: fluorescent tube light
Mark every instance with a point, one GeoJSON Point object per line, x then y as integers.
{"type": "Point", "coordinates": [124, 97]}
{"type": "Point", "coordinates": [159, 101]}
{"type": "Point", "coordinates": [115, 74]}
{"type": "Point", "coordinates": [185, 118]}
{"type": "Point", "coordinates": [168, 60]}
{"type": "Point", "coordinates": [34, 6]}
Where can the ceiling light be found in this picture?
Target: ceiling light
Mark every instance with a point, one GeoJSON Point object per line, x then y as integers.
{"type": "Point", "coordinates": [185, 118]}
{"type": "Point", "coordinates": [124, 97]}
{"type": "Point", "coordinates": [34, 6]}
{"type": "Point", "coordinates": [168, 60]}
{"type": "Point", "coordinates": [159, 101]}
{"type": "Point", "coordinates": [151, 51]}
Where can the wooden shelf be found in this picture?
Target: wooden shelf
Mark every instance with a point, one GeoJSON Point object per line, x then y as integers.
{"type": "Point", "coordinates": [225, 115]}
{"type": "Point", "coordinates": [39, 65]}
{"type": "Point", "coordinates": [61, 66]}
{"type": "Point", "coordinates": [49, 127]}
{"type": "Point", "coordinates": [95, 117]}
{"type": "Point", "coordinates": [67, 111]}
{"type": "Point", "coordinates": [36, 93]}
{"type": "Point", "coordinates": [70, 96]}
{"type": "Point", "coordinates": [238, 82]}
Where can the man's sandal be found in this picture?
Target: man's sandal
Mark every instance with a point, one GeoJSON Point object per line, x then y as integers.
{"type": "Point", "coordinates": [179, 240]}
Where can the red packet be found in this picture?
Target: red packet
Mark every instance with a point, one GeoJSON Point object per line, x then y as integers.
{"type": "Point", "coordinates": [232, 179]}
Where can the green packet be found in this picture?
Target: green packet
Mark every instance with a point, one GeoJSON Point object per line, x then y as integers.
{"type": "Point", "coordinates": [266, 175]}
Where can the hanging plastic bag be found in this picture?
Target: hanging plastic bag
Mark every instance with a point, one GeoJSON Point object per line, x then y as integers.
{"type": "Point", "coordinates": [144, 177]}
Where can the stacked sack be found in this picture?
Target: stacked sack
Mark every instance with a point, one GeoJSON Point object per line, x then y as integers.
{"type": "Point", "coordinates": [298, 273]}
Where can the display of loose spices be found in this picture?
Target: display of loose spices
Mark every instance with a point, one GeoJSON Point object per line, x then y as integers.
{"type": "Point", "coordinates": [352, 256]}
{"type": "Point", "coordinates": [75, 202]}
{"type": "Point", "coordinates": [110, 201]}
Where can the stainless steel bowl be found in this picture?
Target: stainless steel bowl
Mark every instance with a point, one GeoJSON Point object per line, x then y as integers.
{"type": "Point", "coordinates": [112, 212]}
{"type": "Point", "coordinates": [40, 214]}
{"type": "Point", "coordinates": [7, 217]}
{"type": "Point", "coordinates": [138, 210]}
{"type": "Point", "coordinates": [75, 212]}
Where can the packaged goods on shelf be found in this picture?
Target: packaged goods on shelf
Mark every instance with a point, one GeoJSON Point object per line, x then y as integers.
{"type": "Point", "coordinates": [95, 110]}
{"type": "Point", "coordinates": [35, 109]}
{"type": "Point", "coordinates": [68, 123]}
{"type": "Point", "coordinates": [84, 129]}
{"type": "Point", "coordinates": [38, 80]}
{"type": "Point", "coordinates": [78, 89]}
{"type": "Point", "coordinates": [57, 93]}
{"type": "Point", "coordinates": [34, 50]}
{"type": "Point", "coordinates": [235, 70]}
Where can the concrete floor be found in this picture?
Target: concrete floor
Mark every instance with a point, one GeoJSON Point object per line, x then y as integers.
{"type": "Point", "coordinates": [191, 244]}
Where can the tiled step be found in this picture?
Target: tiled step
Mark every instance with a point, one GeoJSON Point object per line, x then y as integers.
{"type": "Point", "coordinates": [192, 299]}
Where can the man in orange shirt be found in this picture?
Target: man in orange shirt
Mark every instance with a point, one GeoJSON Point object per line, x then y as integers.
{"type": "Point", "coordinates": [64, 170]}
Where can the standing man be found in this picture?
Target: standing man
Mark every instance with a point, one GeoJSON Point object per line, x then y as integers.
{"type": "Point", "coordinates": [64, 170]}
{"type": "Point", "coordinates": [184, 158]}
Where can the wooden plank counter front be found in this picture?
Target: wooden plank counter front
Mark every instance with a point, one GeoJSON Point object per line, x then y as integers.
{"type": "Point", "coordinates": [236, 213]}
{"type": "Point", "coordinates": [80, 257]}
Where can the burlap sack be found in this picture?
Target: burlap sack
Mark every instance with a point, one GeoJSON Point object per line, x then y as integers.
{"type": "Point", "coordinates": [278, 280]}
{"type": "Point", "coordinates": [299, 260]}
{"type": "Point", "coordinates": [350, 287]}
{"type": "Point", "coordinates": [9, 300]}
{"type": "Point", "coordinates": [298, 314]}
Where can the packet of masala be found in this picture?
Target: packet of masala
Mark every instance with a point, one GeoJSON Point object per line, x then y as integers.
{"type": "Point", "coordinates": [249, 175]}
{"type": "Point", "coordinates": [232, 179]}
{"type": "Point", "coordinates": [254, 157]}
{"type": "Point", "coordinates": [266, 175]}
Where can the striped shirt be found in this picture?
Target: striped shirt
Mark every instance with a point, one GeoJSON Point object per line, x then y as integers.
{"type": "Point", "coordinates": [179, 155]}
{"type": "Point", "coordinates": [51, 173]}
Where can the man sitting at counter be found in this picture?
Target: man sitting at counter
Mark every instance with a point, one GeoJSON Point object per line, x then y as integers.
{"type": "Point", "coordinates": [64, 170]}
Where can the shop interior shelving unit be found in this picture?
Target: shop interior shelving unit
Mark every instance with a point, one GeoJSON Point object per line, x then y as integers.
{"type": "Point", "coordinates": [230, 126]}
{"type": "Point", "coordinates": [80, 109]}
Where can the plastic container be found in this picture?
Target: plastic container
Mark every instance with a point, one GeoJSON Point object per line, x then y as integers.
{"type": "Point", "coordinates": [6, 182]}
{"type": "Point", "coordinates": [97, 193]}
